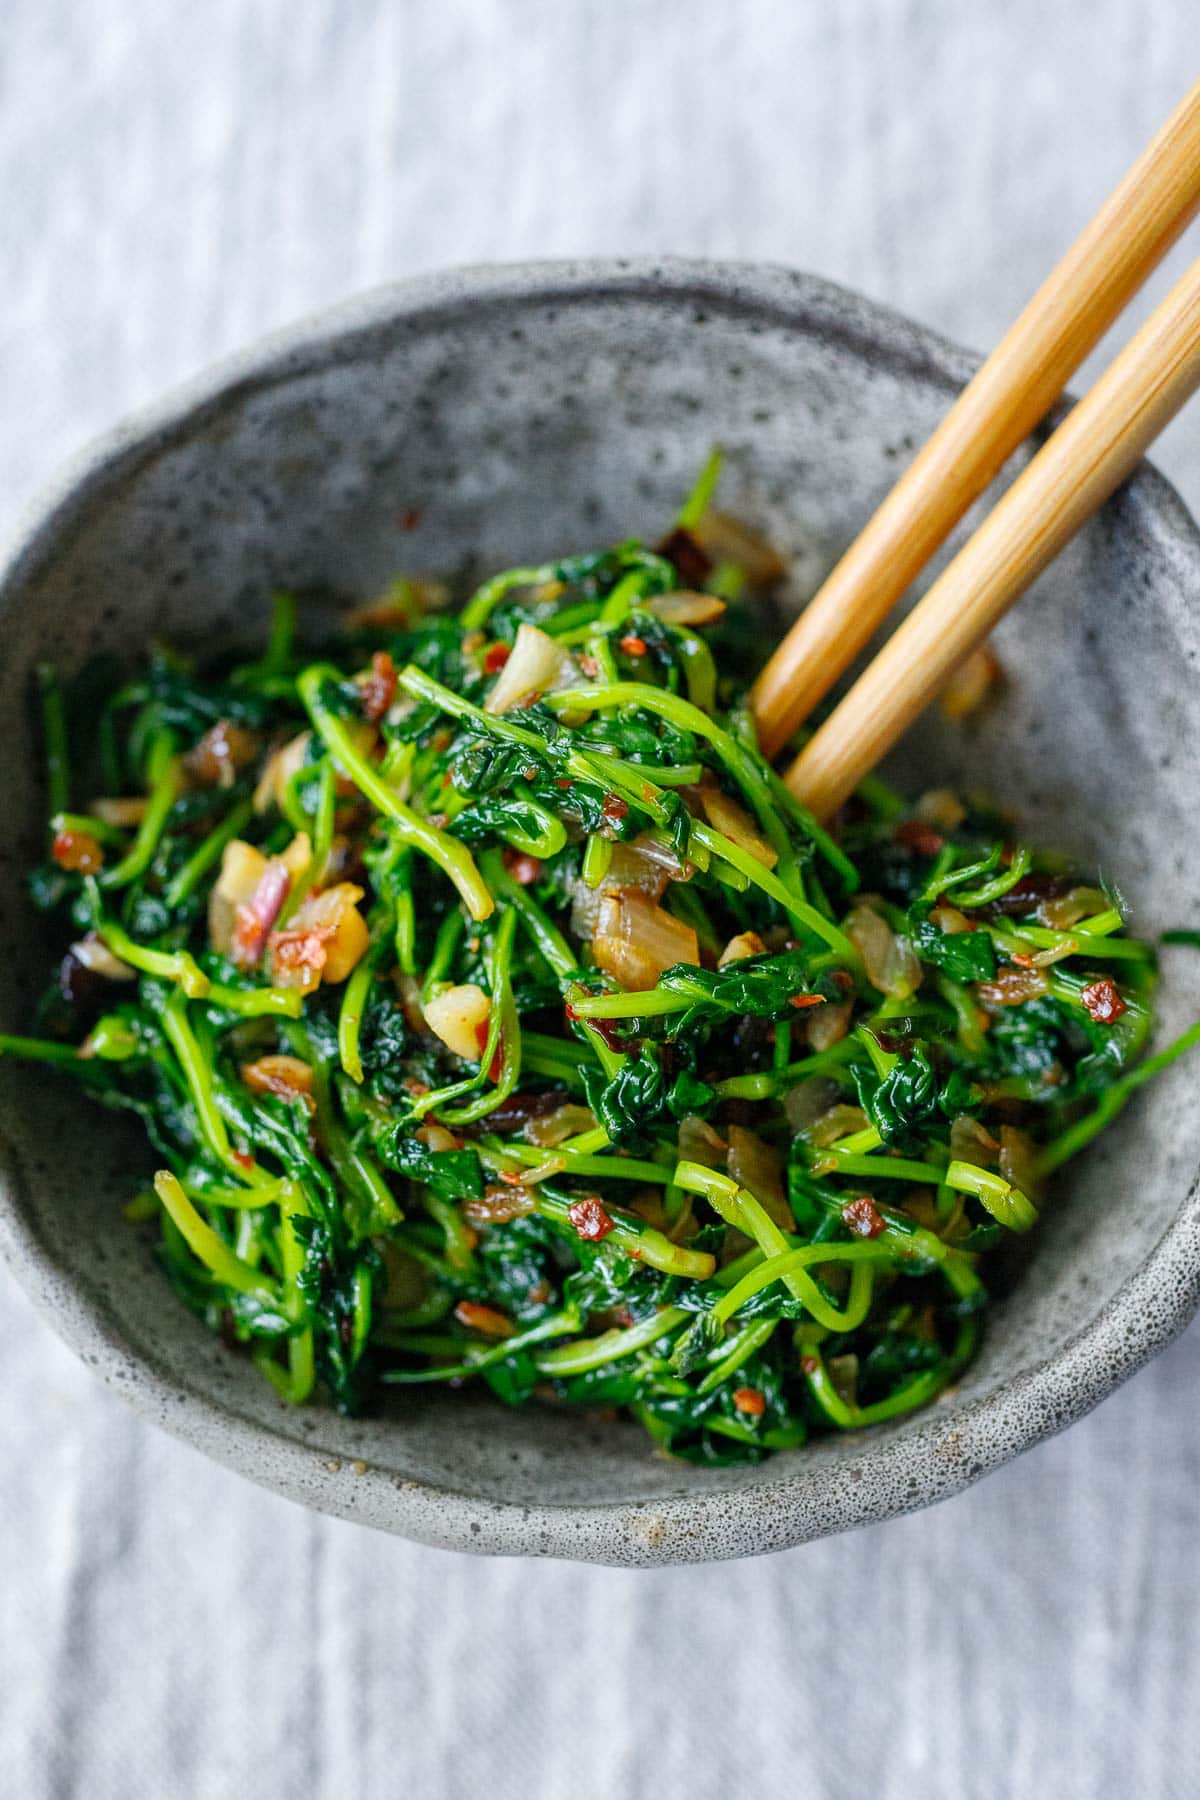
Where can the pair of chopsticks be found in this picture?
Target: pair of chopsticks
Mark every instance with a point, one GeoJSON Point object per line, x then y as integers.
{"type": "Point", "coordinates": [1093, 450]}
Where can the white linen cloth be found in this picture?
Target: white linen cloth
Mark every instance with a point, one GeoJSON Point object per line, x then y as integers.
{"type": "Point", "coordinates": [177, 178]}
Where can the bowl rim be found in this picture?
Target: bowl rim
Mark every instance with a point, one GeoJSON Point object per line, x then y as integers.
{"type": "Point", "coordinates": [888, 1474]}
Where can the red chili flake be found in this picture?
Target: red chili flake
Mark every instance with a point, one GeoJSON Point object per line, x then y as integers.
{"type": "Point", "coordinates": [862, 1217]}
{"type": "Point", "coordinates": [378, 689]}
{"type": "Point", "coordinates": [614, 807]}
{"type": "Point", "coordinates": [919, 837]}
{"type": "Point", "coordinates": [409, 517]}
{"type": "Point", "coordinates": [562, 781]}
{"type": "Point", "coordinates": [589, 665]}
{"type": "Point", "coordinates": [481, 1036]}
{"type": "Point", "coordinates": [530, 774]}
{"type": "Point", "coordinates": [495, 657]}
{"type": "Point", "coordinates": [483, 1318]}
{"type": "Point", "coordinates": [799, 1001]}
{"type": "Point", "coordinates": [751, 1401]}
{"type": "Point", "coordinates": [1103, 1001]}
{"type": "Point", "coordinates": [513, 1177]}
{"type": "Point", "coordinates": [590, 1219]}
{"type": "Point", "coordinates": [523, 868]}
{"type": "Point", "coordinates": [77, 850]}
{"type": "Point", "coordinates": [633, 645]}
{"type": "Point", "coordinates": [1022, 961]}
{"type": "Point", "coordinates": [442, 739]}
{"type": "Point", "coordinates": [809, 1365]}
{"type": "Point", "coordinates": [497, 1064]}
{"type": "Point", "coordinates": [254, 919]}
{"type": "Point", "coordinates": [243, 1159]}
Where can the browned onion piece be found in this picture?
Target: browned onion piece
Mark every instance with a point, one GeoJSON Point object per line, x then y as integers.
{"type": "Point", "coordinates": [536, 664]}
{"type": "Point", "coordinates": [754, 1164]}
{"type": "Point", "coordinates": [686, 608]}
{"type": "Point", "coordinates": [1020, 1162]}
{"type": "Point", "coordinates": [827, 1025]}
{"type": "Point", "coordinates": [941, 807]}
{"type": "Point", "coordinates": [126, 812]}
{"type": "Point", "coordinates": [95, 955]}
{"type": "Point", "coordinates": [553, 1129]}
{"type": "Point", "coordinates": [838, 1122]}
{"type": "Point", "coordinates": [286, 1076]}
{"type": "Point", "coordinates": [970, 1142]}
{"type": "Point", "coordinates": [746, 943]}
{"type": "Point", "coordinates": [890, 961]}
{"type": "Point", "coordinates": [498, 1205]}
{"type": "Point", "coordinates": [1061, 911]}
{"type": "Point", "coordinates": [950, 920]}
{"type": "Point", "coordinates": [725, 539]}
{"type": "Point", "coordinates": [1010, 987]}
{"type": "Point", "coordinates": [632, 866]}
{"type": "Point", "coordinates": [731, 818]}
{"type": "Point", "coordinates": [435, 1137]}
{"type": "Point", "coordinates": [805, 1103]}
{"type": "Point", "coordinates": [700, 1142]}
{"type": "Point", "coordinates": [635, 941]}
{"type": "Point", "coordinates": [222, 751]}
{"type": "Point", "coordinates": [971, 683]}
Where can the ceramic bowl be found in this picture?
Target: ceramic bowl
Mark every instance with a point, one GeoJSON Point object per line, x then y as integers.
{"type": "Point", "coordinates": [472, 420]}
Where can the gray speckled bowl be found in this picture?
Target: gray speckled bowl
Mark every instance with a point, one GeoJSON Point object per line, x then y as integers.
{"type": "Point", "coordinates": [526, 411]}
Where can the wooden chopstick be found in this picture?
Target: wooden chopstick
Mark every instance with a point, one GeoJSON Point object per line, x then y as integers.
{"type": "Point", "coordinates": [1013, 390]}
{"type": "Point", "coordinates": [1091, 453]}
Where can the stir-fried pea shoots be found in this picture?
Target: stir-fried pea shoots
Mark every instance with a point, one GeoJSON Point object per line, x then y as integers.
{"type": "Point", "coordinates": [741, 1106]}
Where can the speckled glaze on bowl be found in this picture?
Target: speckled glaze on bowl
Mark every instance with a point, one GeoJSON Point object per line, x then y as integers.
{"type": "Point", "coordinates": [522, 411]}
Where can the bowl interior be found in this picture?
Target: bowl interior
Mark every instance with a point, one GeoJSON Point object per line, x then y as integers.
{"type": "Point", "coordinates": [458, 428]}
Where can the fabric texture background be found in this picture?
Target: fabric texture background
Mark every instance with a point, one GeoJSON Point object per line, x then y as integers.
{"type": "Point", "coordinates": [176, 179]}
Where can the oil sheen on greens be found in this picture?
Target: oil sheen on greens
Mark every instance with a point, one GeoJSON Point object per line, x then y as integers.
{"type": "Point", "coordinates": [496, 1016]}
